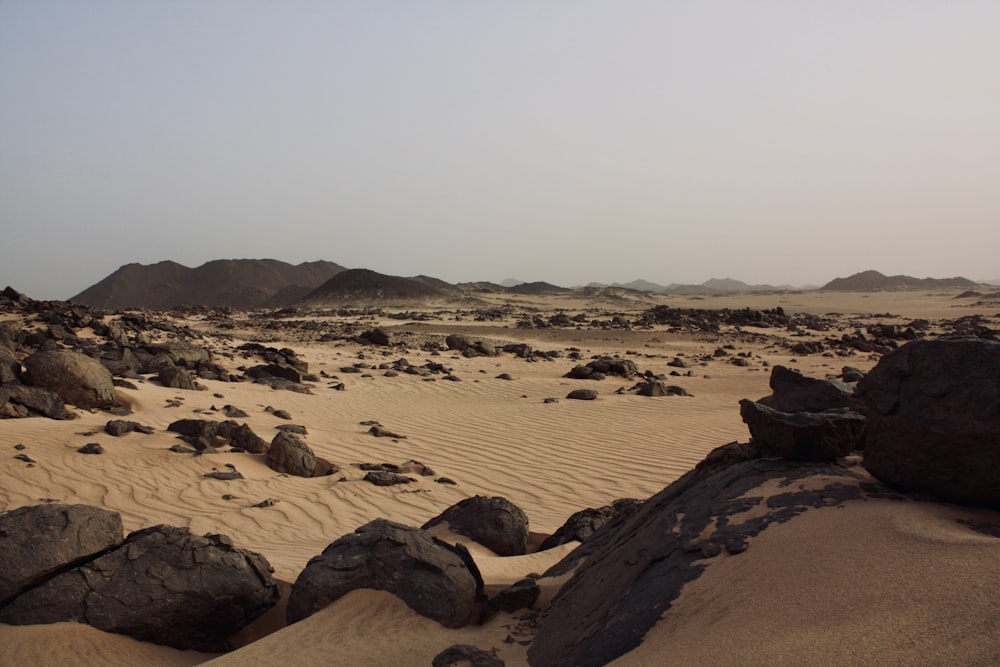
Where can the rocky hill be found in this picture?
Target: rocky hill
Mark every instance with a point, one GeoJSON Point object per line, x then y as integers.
{"type": "Point", "coordinates": [235, 283]}
{"type": "Point", "coordinates": [873, 281]}
{"type": "Point", "coordinates": [364, 286]}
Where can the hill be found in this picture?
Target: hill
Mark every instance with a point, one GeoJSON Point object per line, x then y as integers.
{"type": "Point", "coordinates": [873, 281]}
{"type": "Point", "coordinates": [710, 286]}
{"type": "Point", "coordinates": [235, 283]}
{"type": "Point", "coordinates": [539, 287]}
{"type": "Point", "coordinates": [364, 286]}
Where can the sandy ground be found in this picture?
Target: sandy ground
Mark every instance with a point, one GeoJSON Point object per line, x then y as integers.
{"type": "Point", "coordinates": [498, 437]}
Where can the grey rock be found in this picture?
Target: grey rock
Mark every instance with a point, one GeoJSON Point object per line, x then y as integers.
{"type": "Point", "coordinates": [803, 436]}
{"type": "Point", "coordinates": [77, 379]}
{"type": "Point", "coordinates": [794, 392]}
{"type": "Point", "coordinates": [582, 394]}
{"type": "Point", "coordinates": [496, 523]}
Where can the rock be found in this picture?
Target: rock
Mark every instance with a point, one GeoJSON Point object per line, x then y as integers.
{"type": "Point", "coordinates": [794, 392]}
{"type": "Point", "coordinates": [582, 394]}
{"type": "Point", "coordinates": [77, 379]}
{"type": "Point", "coordinates": [275, 371]}
{"type": "Point", "coordinates": [232, 412]}
{"type": "Point", "coordinates": [226, 476]}
{"type": "Point", "coordinates": [39, 540]}
{"type": "Point", "coordinates": [934, 419]}
{"type": "Point", "coordinates": [851, 374]}
{"type": "Point", "coordinates": [803, 436]}
{"type": "Point", "coordinates": [120, 427]}
{"type": "Point", "coordinates": [417, 467]}
{"type": "Point", "coordinates": [163, 585]}
{"type": "Point", "coordinates": [584, 523]}
{"type": "Point", "coordinates": [660, 388]}
{"type": "Point", "coordinates": [426, 574]}
{"type": "Point", "coordinates": [465, 655]}
{"type": "Point", "coordinates": [291, 455]}
{"type": "Point", "coordinates": [203, 434]}
{"type": "Point", "coordinates": [519, 595]}
{"type": "Point", "coordinates": [386, 478]}
{"type": "Point", "coordinates": [179, 353]}
{"type": "Point", "coordinates": [496, 523]}
{"type": "Point", "coordinates": [91, 448]}
{"type": "Point", "coordinates": [176, 377]}
{"type": "Point", "coordinates": [10, 367]}
{"type": "Point", "coordinates": [379, 432]}
{"type": "Point", "coordinates": [379, 336]}
{"type": "Point", "coordinates": [35, 399]}
{"type": "Point", "coordinates": [297, 429]}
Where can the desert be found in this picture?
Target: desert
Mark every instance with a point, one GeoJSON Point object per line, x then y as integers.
{"type": "Point", "coordinates": [382, 424]}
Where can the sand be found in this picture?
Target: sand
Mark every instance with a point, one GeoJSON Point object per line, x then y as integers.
{"type": "Point", "coordinates": [499, 437]}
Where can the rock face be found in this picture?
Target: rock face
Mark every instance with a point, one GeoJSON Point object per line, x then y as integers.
{"type": "Point", "coordinates": [291, 455]}
{"type": "Point", "coordinates": [162, 585]}
{"type": "Point", "coordinates": [79, 380]}
{"type": "Point", "coordinates": [629, 572]}
{"type": "Point", "coordinates": [584, 523]}
{"type": "Point", "coordinates": [496, 523]}
{"type": "Point", "coordinates": [794, 392]}
{"type": "Point", "coordinates": [803, 436]}
{"type": "Point", "coordinates": [38, 540]}
{"type": "Point", "coordinates": [426, 574]}
{"type": "Point", "coordinates": [934, 419]}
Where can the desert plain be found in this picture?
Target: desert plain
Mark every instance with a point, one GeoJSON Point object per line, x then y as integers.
{"type": "Point", "coordinates": [866, 582]}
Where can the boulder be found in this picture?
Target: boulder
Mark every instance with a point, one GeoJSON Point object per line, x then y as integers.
{"type": "Point", "coordinates": [204, 433]}
{"type": "Point", "coordinates": [794, 392]}
{"type": "Point", "coordinates": [584, 523]}
{"type": "Point", "coordinates": [660, 388]}
{"type": "Point", "coordinates": [120, 427]}
{"type": "Point", "coordinates": [39, 540]}
{"type": "Point", "coordinates": [176, 377]}
{"type": "Point", "coordinates": [496, 523]}
{"type": "Point", "coordinates": [466, 655]}
{"type": "Point", "coordinates": [180, 353]}
{"type": "Point", "coordinates": [934, 419]}
{"type": "Point", "coordinates": [36, 399]}
{"type": "Point", "coordinates": [803, 436]}
{"type": "Point", "coordinates": [163, 585]}
{"type": "Point", "coordinates": [425, 573]}
{"type": "Point", "coordinates": [521, 594]}
{"type": "Point", "coordinates": [386, 478]}
{"type": "Point", "coordinates": [582, 394]}
{"type": "Point", "coordinates": [77, 379]}
{"type": "Point", "coordinates": [10, 367]}
{"type": "Point", "coordinates": [379, 336]}
{"type": "Point", "coordinates": [289, 454]}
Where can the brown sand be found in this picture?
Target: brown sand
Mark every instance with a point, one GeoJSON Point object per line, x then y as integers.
{"type": "Point", "coordinates": [497, 437]}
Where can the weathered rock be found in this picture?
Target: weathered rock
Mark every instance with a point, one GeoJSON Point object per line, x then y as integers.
{"type": "Point", "coordinates": [496, 523]}
{"type": "Point", "coordinates": [291, 455]}
{"type": "Point", "coordinates": [803, 436]}
{"type": "Point", "coordinates": [379, 336]}
{"type": "Point", "coordinates": [426, 574]}
{"type": "Point", "coordinates": [582, 394]}
{"type": "Point", "coordinates": [521, 594]}
{"type": "Point", "coordinates": [91, 448]}
{"type": "Point", "coordinates": [180, 353]}
{"type": "Point", "coordinates": [386, 478]}
{"type": "Point", "coordinates": [794, 392]}
{"type": "Point", "coordinates": [660, 388]}
{"type": "Point", "coordinates": [120, 427]}
{"type": "Point", "coordinates": [162, 585]}
{"type": "Point", "coordinates": [466, 655]}
{"type": "Point", "coordinates": [203, 434]}
{"type": "Point", "coordinates": [78, 379]}
{"type": "Point", "coordinates": [275, 371]}
{"type": "Point", "coordinates": [39, 540]}
{"type": "Point", "coordinates": [584, 523]}
{"type": "Point", "coordinates": [232, 412]}
{"type": "Point", "coordinates": [381, 432]}
{"type": "Point", "coordinates": [35, 399]}
{"type": "Point", "coordinates": [10, 367]}
{"type": "Point", "coordinates": [176, 377]}
{"type": "Point", "coordinates": [934, 419]}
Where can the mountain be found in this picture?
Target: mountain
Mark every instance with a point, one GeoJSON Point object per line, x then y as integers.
{"type": "Point", "coordinates": [873, 281]}
{"type": "Point", "coordinates": [235, 283]}
{"type": "Point", "coordinates": [539, 287]}
{"type": "Point", "coordinates": [711, 286]}
{"type": "Point", "coordinates": [364, 287]}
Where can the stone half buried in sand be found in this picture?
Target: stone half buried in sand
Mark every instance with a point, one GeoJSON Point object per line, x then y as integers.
{"type": "Point", "coordinates": [496, 523]}
{"type": "Point", "coordinates": [163, 585]}
{"type": "Point", "coordinates": [631, 570]}
{"type": "Point", "coordinates": [934, 419]}
{"type": "Point", "coordinates": [77, 379]}
{"type": "Point", "coordinates": [433, 578]}
{"type": "Point", "coordinates": [290, 454]}
{"type": "Point", "coordinates": [39, 540]}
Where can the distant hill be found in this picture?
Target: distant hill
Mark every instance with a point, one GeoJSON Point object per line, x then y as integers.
{"type": "Point", "coordinates": [235, 283]}
{"type": "Point", "coordinates": [364, 286]}
{"type": "Point", "coordinates": [711, 286]}
{"type": "Point", "coordinates": [538, 288]}
{"type": "Point", "coordinates": [873, 281]}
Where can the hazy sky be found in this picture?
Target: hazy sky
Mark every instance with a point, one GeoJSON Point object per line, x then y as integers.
{"type": "Point", "coordinates": [574, 141]}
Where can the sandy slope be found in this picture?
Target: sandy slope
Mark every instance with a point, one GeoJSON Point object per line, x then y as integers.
{"type": "Point", "coordinates": [493, 437]}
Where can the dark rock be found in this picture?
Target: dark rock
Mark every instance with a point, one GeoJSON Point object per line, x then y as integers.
{"type": "Point", "coordinates": [794, 392]}
{"type": "Point", "coordinates": [379, 336]}
{"type": "Point", "coordinates": [426, 574]}
{"type": "Point", "coordinates": [585, 523]}
{"type": "Point", "coordinates": [163, 585]}
{"type": "Point", "coordinates": [418, 468]}
{"type": "Point", "coordinates": [226, 476]}
{"type": "Point", "coordinates": [386, 478]}
{"type": "Point", "coordinates": [176, 377]}
{"type": "Point", "coordinates": [659, 388]}
{"type": "Point", "coordinates": [91, 448]}
{"type": "Point", "coordinates": [519, 595]}
{"type": "Point", "coordinates": [297, 429]}
{"type": "Point", "coordinates": [496, 523]}
{"type": "Point", "coordinates": [203, 434]}
{"type": "Point", "coordinates": [446, 480]}
{"type": "Point", "coordinates": [268, 502]}
{"type": "Point", "coordinates": [934, 419]}
{"type": "Point", "coordinates": [77, 379]}
{"type": "Point", "coordinates": [379, 432]}
{"type": "Point", "coordinates": [232, 412]}
{"type": "Point", "coordinates": [120, 427]}
{"type": "Point", "coordinates": [33, 399]}
{"type": "Point", "coordinates": [290, 455]}
{"type": "Point", "coordinates": [803, 436]}
{"type": "Point", "coordinates": [465, 655]}
{"type": "Point", "coordinates": [582, 394]}
{"type": "Point", "coordinates": [39, 540]}
{"type": "Point", "coordinates": [275, 371]}
{"type": "Point", "coordinates": [851, 374]}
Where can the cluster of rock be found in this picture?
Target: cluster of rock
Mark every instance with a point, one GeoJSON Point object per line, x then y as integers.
{"type": "Point", "coordinates": [160, 584]}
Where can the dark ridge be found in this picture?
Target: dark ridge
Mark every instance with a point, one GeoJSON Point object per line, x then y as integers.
{"type": "Point", "coordinates": [873, 281]}
{"type": "Point", "coordinates": [232, 283]}
{"type": "Point", "coordinates": [359, 286]}
{"type": "Point", "coordinates": [538, 288]}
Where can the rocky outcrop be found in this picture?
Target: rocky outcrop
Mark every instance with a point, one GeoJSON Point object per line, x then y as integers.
{"type": "Point", "coordinates": [77, 379]}
{"type": "Point", "coordinates": [934, 419]}
{"type": "Point", "coordinates": [162, 585]}
{"type": "Point", "coordinates": [803, 436]}
{"type": "Point", "coordinates": [794, 392]}
{"type": "Point", "coordinates": [496, 523]}
{"type": "Point", "coordinates": [290, 454]}
{"type": "Point", "coordinates": [39, 540]}
{"type": "Point", "coordinates": [203, 434]}
{"type": "Point", "coordinates": [425, 573]}
{"type": "Point", "coordinates": [584, 523]}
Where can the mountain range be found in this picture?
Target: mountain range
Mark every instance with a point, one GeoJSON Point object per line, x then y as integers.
{"type": "Point", "coordinates": [268, 283]}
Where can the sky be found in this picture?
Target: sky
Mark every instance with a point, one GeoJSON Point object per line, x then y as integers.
{"type": "Point", "coordinates": [572, 141]}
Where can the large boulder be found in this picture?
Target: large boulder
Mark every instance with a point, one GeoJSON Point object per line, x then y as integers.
{"type": "Point", "coordinates": [934, 419]}
{"type": "Point", "coordinates": [163, 585]}
{"type": "Point", "coordinates": [496, 523]}
{"type": "Point", "coordinates": [794, 392]}
{"type": "Point", "coordinates": [38, 540]}
{"type": "Point", "coordinates": [78, 379]}
{"type": "Point", "coordinates": [803, 436]}
{"type": "Point", "coordinates": [585, 523]}
{"type": "Point", "coordinates": [426, 574]}
{"type": "Point", "coordinates": [205, 433]}
{"type": "Point", "coordinates": [289, 454]}
{"type": "Point", "coordinates": [28, 400]}
{"type": "Point", "coordinates": [10, 367]}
